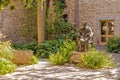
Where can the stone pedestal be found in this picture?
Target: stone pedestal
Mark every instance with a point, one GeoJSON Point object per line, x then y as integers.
{"type": "Point", "coordinates": [75, 56]}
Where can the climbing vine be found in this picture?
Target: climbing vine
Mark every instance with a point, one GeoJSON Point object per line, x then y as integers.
{"type": "Point", "coordinates": [12, 3]}
{"type": "Point", "coordinates": [29, 28]}
{"type": "Point", "coordinates": [56, 27]}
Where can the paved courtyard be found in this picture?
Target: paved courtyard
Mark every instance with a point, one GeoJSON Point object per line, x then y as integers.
{"type": "Point", "coordinates": [44, 71]}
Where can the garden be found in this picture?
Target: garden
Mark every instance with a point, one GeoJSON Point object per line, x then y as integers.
{"type": "Point", "coordinates": [57, 57]}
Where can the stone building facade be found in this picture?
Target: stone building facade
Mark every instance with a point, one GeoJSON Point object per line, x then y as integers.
{"type": "Point", "coordinates": [102, 15]}
{"type": "Point", "coordinates": [10, 21]}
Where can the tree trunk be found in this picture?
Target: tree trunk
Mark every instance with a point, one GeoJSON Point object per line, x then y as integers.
{"type": "Point", "coordinates": [40, 19]}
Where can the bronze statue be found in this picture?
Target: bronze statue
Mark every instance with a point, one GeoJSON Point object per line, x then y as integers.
{"type": "Point", "coordinates": [85, 36]}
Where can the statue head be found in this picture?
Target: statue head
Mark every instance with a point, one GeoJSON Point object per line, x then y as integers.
{"type": "Point", "coordinates": [84, 24]}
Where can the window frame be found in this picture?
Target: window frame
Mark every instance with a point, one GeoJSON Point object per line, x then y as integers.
{"type": "Point", "coordinates": [107, 35]}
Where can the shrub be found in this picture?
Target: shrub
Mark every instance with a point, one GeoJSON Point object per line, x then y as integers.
{"type": "Point", "coordinates": [113, 45]}
{"type": "Point", "coordinates": [6, 66]}
{"type": "Point", "coordinates": [63, 56]}
{"type": "Point", "coordinates": [34, 60]}
{"type": "Point", "coordinates": [57, 59]}
{"type": "Point", "coordinates": [57, 27]}
{"type": "Point", "coordinates": [49, 47]}
{"type": "Point", "coordinates": [94, 59]}
{"type": "Point", "coordinates": [5, 50]}
{"type": "Point", "coordinates": [26, 46]}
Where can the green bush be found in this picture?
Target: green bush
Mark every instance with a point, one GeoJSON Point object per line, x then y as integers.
{"type": "Point", "coordinates": [6, 55]}
{"type": "Point", "coordinates": [6, 66]}
{"type": "Point", "coordinates": [56, 27]}
{"type": "Point", "coordinates": [34, 60]}
{"type": "Point", "coordinates": [49, 47]}
{"type": "Point", "coordinates": [63, 55]}
{"type": "Point", "coordinates": [94, 59]}
{"type": "Point", "coordinates": [26, 46]}
{"type": "Point", "coordinates": [57, 59]}
{"type": "Point", "coordinates": [113, 45]}
{"type": "Point", "coordinates": [5, 50]}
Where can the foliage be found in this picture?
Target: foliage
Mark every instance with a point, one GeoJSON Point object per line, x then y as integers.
{"type": "Point", "coordinates": [118, 78]}
{"type": "Point", "coordinates": [63, 55]}
{"type": "Point", "coordinates": [5, 50]}
{"type": "Point", "coordinates": [29, 28]}
{"type": "Point", "coordinates": [49, 47]}
{"type": "Point", "coordinates": [26, 46]}
{"type": "Point", "coordinates": [34, 60]}
{"type": "Point", "coordinates": [6, 55]}
{"type": "Point", "coordinates": [56, 27]}
{"type": "Point", "coordinates": [57, 59]}
{"type": "Point", "coordinates": [94, 59]}
{"type": "Point", "coordinates": [6, 66]}
{"type": "Point", "coordinates": [113, 45]}
{"type": "Point", "coordinates": [11, 3]}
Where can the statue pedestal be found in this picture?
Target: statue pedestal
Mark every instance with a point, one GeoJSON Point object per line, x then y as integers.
{"type": "Point", "coordinates": [75, 57]}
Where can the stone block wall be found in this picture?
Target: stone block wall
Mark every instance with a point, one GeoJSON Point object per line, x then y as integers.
{"type": "Point", "coordinates": [10, 21]}
{"type": "Point", "coordinates": [93, 11]}
{"type": "Point", "coordinates": [78, 11]}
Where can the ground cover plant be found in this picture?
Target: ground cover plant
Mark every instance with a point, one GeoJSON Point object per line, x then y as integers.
{"type": "Point", "coordinates": [5, 50]}
{"type": "Point", "coordinates": [34, 60]}
{"type": "Point", "coordinates": [49, 47]}
{"type": "Point", "coordinates": [26, 46]}
{"type": "Point", "coordinates": [94, 59]}
{"type": "Point", "coordinates": [63, 55]}
{"type": "Point", "coordinates": [6, 66]}
{"type": "Point", "coordinates": [6, 55]}
{"type": "Point", "coordinates": [113, 45]}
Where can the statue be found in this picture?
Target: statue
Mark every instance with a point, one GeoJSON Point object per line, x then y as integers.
{"type": "Point", "coordinates": [85, 36]}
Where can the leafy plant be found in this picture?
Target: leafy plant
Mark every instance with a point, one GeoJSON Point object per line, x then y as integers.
{"type": "Point", "coordinates": [113, 45]}
{"type": "Point", "coordinates": [34, 60]}
{"type": "Point", "coordinates": [26, 46]}
{"type": "Point", "coordinates": [94, 59]}
{"type": "Point", "coordinates": [56, 27]}
{"type": "Point", "coordinates": [57, 59]}
{"type": "Point", "coordinates": [6, 66]}
{"type": "Point", "coordinates": [49, 47]}
{"type": "Point", "coordinates": [118, 78]}
{"type": "Point", "coordinates": [63, 56]}
{"type": "Point", "coordinates": [5, 50]}
{"type": "Point", "coordinates": [6, 55]}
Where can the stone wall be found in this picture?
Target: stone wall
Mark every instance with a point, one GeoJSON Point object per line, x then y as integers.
{"type": "Point", "coordinates": [93, 11]}
{"type": "Point", "coordinates": [10, 21]}
{"type": "Point", "coordinates": [70, 10]}
{"type": "Point", "coordinates": [78, 11]}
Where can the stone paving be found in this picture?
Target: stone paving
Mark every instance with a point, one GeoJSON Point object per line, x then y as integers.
{"type": "Point", "coordinates": [44, 71]}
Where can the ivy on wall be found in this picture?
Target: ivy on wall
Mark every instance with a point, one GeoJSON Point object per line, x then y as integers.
{"type": "Point", "coordinates": [29, 28]}
{"type": "Point", "coordinates": [12, 3]}
{"type": "Point", "coordinates": [56, 27]}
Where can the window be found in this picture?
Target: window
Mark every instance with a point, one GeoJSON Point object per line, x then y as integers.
{"type": "Point", "coordinates": [65, 17]}
{"type": "Point", "coordinates": [107, 30]}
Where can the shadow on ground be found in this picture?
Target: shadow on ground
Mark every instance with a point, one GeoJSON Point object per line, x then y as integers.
{"type": "Point", "coordinates": [44, 71]}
